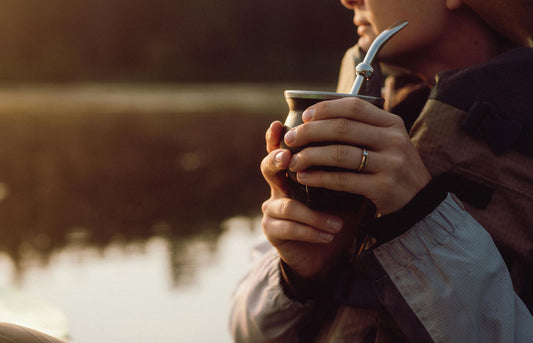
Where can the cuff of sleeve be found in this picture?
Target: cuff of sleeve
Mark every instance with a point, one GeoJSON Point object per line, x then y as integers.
{"type": "Point", "coordinates": [388, 227]}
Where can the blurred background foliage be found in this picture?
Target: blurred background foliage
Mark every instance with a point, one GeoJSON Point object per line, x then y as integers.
{"type": "Point", "coordinates": [172, 40]}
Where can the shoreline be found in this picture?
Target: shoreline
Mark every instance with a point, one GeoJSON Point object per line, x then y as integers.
{"type": "Point", "coordinates": [146, 98]}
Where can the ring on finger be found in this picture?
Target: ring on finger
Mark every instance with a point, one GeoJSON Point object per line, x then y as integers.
{"type": "Point", "coordinates": [364, 161]}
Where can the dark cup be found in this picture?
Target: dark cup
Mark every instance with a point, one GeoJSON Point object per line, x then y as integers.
{"type": "Point", "coordinates": [320, 199]}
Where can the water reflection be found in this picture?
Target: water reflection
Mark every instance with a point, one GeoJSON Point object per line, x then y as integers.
{"type": "Point", "coordinates": [125, 293]}
{"type": "Point", "coordinates": [72, 176]}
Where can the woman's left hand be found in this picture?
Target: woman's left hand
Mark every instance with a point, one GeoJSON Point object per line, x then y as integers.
{"type": "Point", "coordinates": [394, 172]}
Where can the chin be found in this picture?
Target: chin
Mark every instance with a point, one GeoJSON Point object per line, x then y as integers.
{"type": "Point", "coordinates": [364, 42]}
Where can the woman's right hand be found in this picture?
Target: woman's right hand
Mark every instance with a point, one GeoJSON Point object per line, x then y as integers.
{"type": "Point", "coordinates": [309, 242]}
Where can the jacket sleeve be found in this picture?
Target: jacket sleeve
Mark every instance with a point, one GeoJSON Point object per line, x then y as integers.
{"type": "Point", "coordinates": [445, 280]}
{"type": "Point", "coordinates": [260, 311]}
{"type": "Point", "coordinates": [442, 281]}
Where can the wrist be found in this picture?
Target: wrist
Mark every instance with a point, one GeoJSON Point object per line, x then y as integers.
{"type": "Point", "coordinates": [390, 226]}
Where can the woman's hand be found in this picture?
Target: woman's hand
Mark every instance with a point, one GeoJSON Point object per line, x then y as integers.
{"type": "Point", "coordinates": [308, 241]}
{"type": "Point", "coordinates": [394, 173]}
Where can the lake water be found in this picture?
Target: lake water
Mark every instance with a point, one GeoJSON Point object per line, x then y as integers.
{"type": "Point", "coordinates": [129, 292]}
{"type": "Point", "coordinates": [127, 213]}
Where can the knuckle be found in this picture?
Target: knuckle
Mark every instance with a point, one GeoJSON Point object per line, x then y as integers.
{"type": "Point", "coordinates": [263, 167]}
{"type": "Point", "coordinates": [271, 227]}
{"type": "Point", "coordinates": [396, 120]}
{"type": "Point", "coordinates": [265, 206]}
{"type": "Point", "coordinates": [398, 139]}
{"type": "Point", "coordinates": [300, 233]}
{"type": "Point", "coordinates": [357, 104]}
{"type": "Point", "coordinates": [265, 164]}
{"type": "Point", "coordinates": [342, 153]}
{"type": "Point", "coordinates": [386, 182]}
{"type": "Point", "coordinates": [285, 207]}
{"type": "Point", "coordinates": [307, 234]}
{"type": "Point", "coordinates": [320, 178]}
{"type": "Point", "coordinates": [265, 224]}
{"type": "Point", "coordinates": [342, 126]}
{"type": "Point", "coordinates": [341, 180]}
{"type": "Point", "coordinates": [396, 162]}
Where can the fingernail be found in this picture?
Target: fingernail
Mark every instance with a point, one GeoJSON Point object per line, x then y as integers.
{"type": "Point", "coordinates": [279, 157]}
{"type": "Point", "coordinates": [303, 175]}
{"type": "Point", "coordinates": [308, 114]}
{"type": "Point", "coordinates": [334, 223]}
{"type": "Point", "coordinates": [326, 237]}
{"type": "Point", "coordinates": [290, 137]}
{"type": "Point", "coordinates": [293, 162]}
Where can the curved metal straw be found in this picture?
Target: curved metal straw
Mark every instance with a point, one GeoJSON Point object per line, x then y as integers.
{"type": "Point", "coordinates": [364, 70]}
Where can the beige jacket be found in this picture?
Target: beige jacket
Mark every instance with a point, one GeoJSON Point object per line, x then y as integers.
{"type": "Point", "coordinates": [444, 280]}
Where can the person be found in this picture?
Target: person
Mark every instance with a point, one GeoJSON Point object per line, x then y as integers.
{"type": "Point", "coordinates": [430, 268]}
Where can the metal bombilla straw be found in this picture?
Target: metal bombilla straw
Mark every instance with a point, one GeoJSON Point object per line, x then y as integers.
{"type": "Point", "coordinates": [364, 69]}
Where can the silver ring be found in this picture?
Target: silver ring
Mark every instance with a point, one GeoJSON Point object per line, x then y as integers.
{"type": "Point", "coordinates": [364, 161]}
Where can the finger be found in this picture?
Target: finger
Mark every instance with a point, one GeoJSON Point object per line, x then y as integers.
{"type": "Point", "coordinates": [275, 162]}
{"type": "Point", "coordinates": [273, 168]}
{"type": "Point", "coordinates": [295, 211]}
{"type": "Point", "coordinates": [273, 136]}
{"type": "Point", "coordinates": [341, 156]}
{"type": "Point", "coordinates": [351, 182]}
{"type": "Point", "coordinates": [352, 108]}
{"type": "Point", "coordinates": [339, 130]}
{"type": "Point", "coordinates": [277, 230]}
{"type": "Point", "coordinates": [284, 230]}
{"type": "Point", "coordinates": [387, 192]}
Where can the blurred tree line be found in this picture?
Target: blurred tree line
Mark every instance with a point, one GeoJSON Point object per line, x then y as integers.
{"type": "Point", "coordinates": [172, 40]}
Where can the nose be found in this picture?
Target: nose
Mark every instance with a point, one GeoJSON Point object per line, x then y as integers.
{"type": "Point", "coordinates": [352, 4]}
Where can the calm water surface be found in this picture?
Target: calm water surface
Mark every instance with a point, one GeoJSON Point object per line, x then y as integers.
{"type": "Point", "coordinates": [128, 293]}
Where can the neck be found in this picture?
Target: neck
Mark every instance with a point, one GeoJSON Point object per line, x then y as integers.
{"type": "Point", "coordinates": [469, 41]}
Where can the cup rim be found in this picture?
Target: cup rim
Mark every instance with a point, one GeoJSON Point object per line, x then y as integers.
{"type": "Point", "coordinates": [305, 94]}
